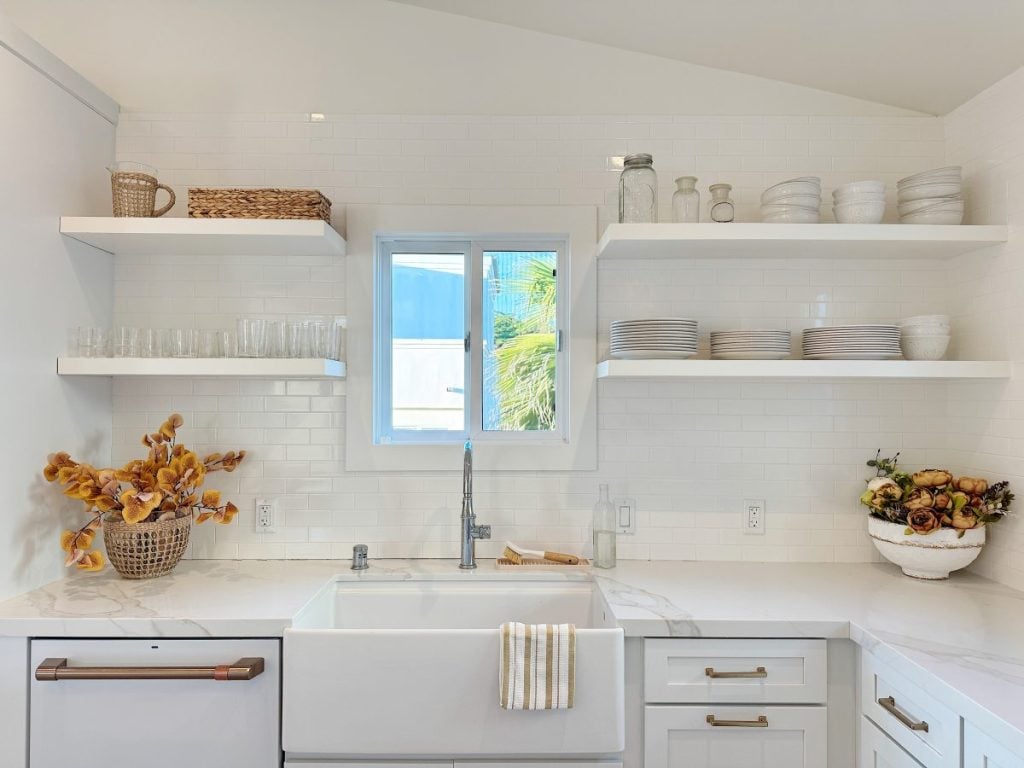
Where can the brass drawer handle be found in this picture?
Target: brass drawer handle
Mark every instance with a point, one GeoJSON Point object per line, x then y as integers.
{"type": "Point", "coordinates": [52, 670]}
{"type": "Point", "coordinates": [761, 722]}
{"type": "Point", "coordinates": [710, 672]}
{"type": "Point", "coordinates": [888, 703]}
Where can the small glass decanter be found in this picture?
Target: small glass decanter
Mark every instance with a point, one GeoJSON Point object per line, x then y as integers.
{"type": "Point", "coordinates": [722, 208]}
{"type": "Point", "coordinates": [604, 530]}
{"type": "Point", "coordinates": [686, 201]}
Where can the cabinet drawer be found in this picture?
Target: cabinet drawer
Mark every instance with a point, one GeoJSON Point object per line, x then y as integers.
{"type": "Point", "coordinates": [735, 671]}
{"type": "Point", "coordinates": [877, 750]}
{"type": "Point", "coordinates": [910, 715]}
{"type": "Point", "coordinates": [982, 751]}
{"type": "Point", "coordinates": [682, 737]}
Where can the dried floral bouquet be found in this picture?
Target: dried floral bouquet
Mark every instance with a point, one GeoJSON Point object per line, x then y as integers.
{"type": "Point", "coordinates": [164, 485]}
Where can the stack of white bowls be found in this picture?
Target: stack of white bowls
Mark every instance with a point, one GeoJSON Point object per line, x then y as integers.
{"type": "Point", "coordinates": [932, 197]}
{"type": "Point", "coordinates": [796, 201]}
{"type": "Point", "coordinates": [656, 338]}
{"type": "Point", "coordinates": [859, 202]}
{"type": "Point", "coordinates": [769, 344]}
{"type": "Point", "coordinates": [925, 337]}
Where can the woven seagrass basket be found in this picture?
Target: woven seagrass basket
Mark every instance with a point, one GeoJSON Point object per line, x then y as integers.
{"type": "Point", "coordinates": [145, 550]}
{"type": "Point", "coordinates": [258, 204]}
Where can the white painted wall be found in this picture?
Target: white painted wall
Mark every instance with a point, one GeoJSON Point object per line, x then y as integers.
{"type": "Point", "coordinates": [374, 57]}
{"type": "Point", "coordinates": [986, 423]}
{"type": "Point", "coordinates": [53, 149]}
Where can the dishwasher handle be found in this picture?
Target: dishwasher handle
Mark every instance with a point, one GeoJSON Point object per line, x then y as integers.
{"type": "Point", "coordinates": [53, 670]}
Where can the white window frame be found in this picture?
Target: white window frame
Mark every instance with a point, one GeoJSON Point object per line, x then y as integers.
{"type": "Point", "coordinates": [571, 230]}
{"type": "Point", "coordinates": [473, 255]}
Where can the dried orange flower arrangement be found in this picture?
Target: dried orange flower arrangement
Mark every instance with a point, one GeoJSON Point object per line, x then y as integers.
{"type": "Point", "coordinates": [163, 486]}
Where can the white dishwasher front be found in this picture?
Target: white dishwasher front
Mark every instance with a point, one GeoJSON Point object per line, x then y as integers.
{"type": "Point", "coordinates": [155, 703]}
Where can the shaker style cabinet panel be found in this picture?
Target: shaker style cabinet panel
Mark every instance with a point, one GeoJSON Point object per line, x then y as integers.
{"type": "Point", "coordinates": [982, 751]}
{"type": "Point", "coordinates": [735, 737]}
{"type": "Point", "coordinates": [876, 750]}
{"type": "Point", "coordinates": [124, 721]}
{"type": "Point", "coordinates": [911, 716]}
{"type": "Point", "coordinates": [735, 671]}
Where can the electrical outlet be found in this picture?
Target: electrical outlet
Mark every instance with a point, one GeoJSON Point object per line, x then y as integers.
{"type": "Point", "coordinates": [625, 515]}
{"type": "Point", "coordinates": [264, 516]}
{"type": "Point", "coordinates": [753, 521]}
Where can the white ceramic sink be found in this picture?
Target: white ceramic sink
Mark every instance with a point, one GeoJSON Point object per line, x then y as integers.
{"type": "Point", "coordinates": [392, 667]}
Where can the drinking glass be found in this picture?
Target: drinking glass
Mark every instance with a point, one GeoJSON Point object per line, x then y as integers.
{"type": "Point", "coordinates": [277, 338]}
{"type": "Point", "coordinates": [152, 342]}
{"type": "Point", "coordinates": [228, 345]}
{"type": "Point", "coordinates": [319, 337]}
{"type": "Point", "coordinates": [337, 343]}
{"type": "Point", "coordinates": [251, 337]}
{"type": "Point", "coordinates": [126, 342]}
{"type": "Point", "coordinates": [297, 339]}
{"type": "Point", "coordinates": [93, 342]}
{"type": "Point", "coordinates": [209, 344]}
{"type": "Point", "coordinates": [182, 342]}
{"type": "Point", "coordinates": [74, 348]}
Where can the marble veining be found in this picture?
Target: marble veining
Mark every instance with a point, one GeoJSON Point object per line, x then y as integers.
{"type": "Point", "coordinates": [962, 640]}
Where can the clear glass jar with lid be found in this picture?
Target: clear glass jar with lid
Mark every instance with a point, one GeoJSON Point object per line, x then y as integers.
{"type": "Point", "coordinates": [638, 190]}
{"type": "Point", "coordinates": [686, 200]}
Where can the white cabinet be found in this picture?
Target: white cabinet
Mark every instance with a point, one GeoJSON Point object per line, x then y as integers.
{"type": "Point", "coordinates": [982, 751]}
{"type": "Point", "coordinates": [735, 737]}
{"type": "Point", "coordinates": [131, 703]}
{"type": "Point", "coordinates": [876, 750]}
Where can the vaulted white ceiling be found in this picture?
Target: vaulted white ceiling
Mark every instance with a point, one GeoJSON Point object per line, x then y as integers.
{"type": "Point", "coordinates": [925, 55]}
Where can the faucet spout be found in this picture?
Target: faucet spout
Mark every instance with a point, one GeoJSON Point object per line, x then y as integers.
{"type": "Point", "coordinates": [469, 530]}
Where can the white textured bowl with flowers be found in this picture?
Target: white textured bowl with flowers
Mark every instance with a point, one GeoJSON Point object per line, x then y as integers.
{"type": "Point", "coordinates": [930, 523]}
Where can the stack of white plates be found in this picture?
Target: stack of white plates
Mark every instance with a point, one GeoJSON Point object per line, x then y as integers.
{"type": "Point", "coordinates": [797, 201]}
{"type": "Point", "coordinates": [852, 342]}
{"type": "Point", "coordinates": [656, 338]}
{"type": "Point", "coordinates": [859, 202]}
{"type": "Point", "coordinates": [931, 197]}
{"type": "Point", "coordinates": [750, 345]}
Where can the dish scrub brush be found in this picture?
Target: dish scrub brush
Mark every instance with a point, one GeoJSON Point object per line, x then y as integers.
{"type": "Point", "coordinates": [517, 554]}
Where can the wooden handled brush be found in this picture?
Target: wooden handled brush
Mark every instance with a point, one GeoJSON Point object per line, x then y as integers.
{"type": "Point", "coordinates": [517, 554]}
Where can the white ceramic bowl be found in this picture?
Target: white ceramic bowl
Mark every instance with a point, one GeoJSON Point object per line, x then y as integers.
{"type": "Point", "coordinates": [803, 201]}
{"type": "Point", "coordinates": [866, 212]}
{"type": "Point", "coordinates": [924, 347]}
{"type": "Point", "coordinates": [914, 206]}
{"type": "Point", "coordinates": [933, 217]}
{"type": "Point", "coordinates": [926, 556]}
{"type": "Point", "coordinates": [854, 196]}
{"type": "Point", "coordinates": [949, 172]}
{"type": "Point", "coordinates": [789, 214]}
{"type": "Point", "coordinates": [804, 186]}
{"type": "Point", "coordinates": [860, 188]}
{"type": "Point", "coordinates": [929, 189]}
{"type": "Point", "coordinates": [924, 320]}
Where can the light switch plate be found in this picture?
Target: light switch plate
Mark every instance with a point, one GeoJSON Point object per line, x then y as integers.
{"type": "Point", "coordinates": [625, 515]}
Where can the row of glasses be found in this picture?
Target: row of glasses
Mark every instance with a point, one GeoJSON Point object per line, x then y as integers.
{"type": "Point", "coordinates": [319, 337]}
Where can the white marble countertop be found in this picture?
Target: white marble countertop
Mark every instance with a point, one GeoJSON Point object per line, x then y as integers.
{"type": "Point", "coordinates": [962, 639]}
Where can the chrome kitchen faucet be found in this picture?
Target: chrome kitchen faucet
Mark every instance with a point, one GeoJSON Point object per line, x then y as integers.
{"type": "Point", "coordinates": [470, 531]}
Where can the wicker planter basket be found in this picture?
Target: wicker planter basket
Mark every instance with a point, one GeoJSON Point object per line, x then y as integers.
{"type": "Point", "coordinates": [145, 550]}
{"type": "Point", "coordinates": [258, 204]}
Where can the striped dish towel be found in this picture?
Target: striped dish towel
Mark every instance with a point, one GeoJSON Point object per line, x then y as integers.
{"type": "Point", "coordinates": [537, 666]}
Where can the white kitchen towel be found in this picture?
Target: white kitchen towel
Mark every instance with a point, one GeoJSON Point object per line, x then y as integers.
{"type": "Point", "coordinates": [537, 666]}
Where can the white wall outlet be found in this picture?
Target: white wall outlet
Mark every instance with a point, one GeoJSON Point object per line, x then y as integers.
{"type": "Point", "coordinates": [625, 515]}
{"type": "Point", "coordinates": [753, 516]}
{"type": "Point", "coordinates": [265, 516]}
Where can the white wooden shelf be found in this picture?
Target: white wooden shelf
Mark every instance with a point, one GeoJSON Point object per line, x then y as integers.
{"type": "Point", "coordinates": [826, 241]}
{"type": "Point", "coordinates": [192, 237]}
{"type": "Point", "coordinates": [798, 369]}
{"type": "Point", "coordinates": [278, 368]}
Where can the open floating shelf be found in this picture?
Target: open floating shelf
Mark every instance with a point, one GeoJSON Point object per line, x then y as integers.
{"type": "Point", "coordinates": [192, 237]}
{"type": "Point", "coordinates": [799, 369]}
{"type": "Point", "coordinates": [275, 368]}
{"type": "Point", "coordinates": [775, 241]}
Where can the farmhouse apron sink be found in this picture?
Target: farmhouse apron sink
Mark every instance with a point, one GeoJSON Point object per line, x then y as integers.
{"type": "Point", "coordinates": [401, 667]}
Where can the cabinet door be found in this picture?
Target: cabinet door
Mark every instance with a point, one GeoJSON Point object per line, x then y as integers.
{"type": "Point", "coordinates": [877, 750]}
{"type": "Point", "coordinates": [125, 722]}
{"type": "Point", "coordinates": [982, 751]}
{"type": "Point", "coordinates": [683, 737]}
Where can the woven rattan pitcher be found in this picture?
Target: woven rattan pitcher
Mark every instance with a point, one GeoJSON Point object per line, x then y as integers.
{"type": "Point", "coordinates": [134, 187]}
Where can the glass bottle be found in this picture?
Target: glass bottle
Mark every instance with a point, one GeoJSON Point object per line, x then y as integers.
{"type": "Point", "coordinates": [638, 190]}
{"type": "Point", "coordinates": [604, 530]}
{"type": "Point", "coordinates": [686, 200]}
{"type": "Point", "coordinates": [722, 208]}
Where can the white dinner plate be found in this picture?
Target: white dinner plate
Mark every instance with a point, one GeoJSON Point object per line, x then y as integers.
{"type": "Point", "coordinates": [751, 355]}
{"type": "Point", "coordinates": [652, 354]}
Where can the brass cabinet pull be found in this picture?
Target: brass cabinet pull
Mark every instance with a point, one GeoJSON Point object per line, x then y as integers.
{"type": "Point", "coordinates": [888, 703]}
{"type": "Point", "coordinates": [761, 722]}
{"type": "Point", "coordinates": [52, 670]}
{"type": "Point", "coordinates": [710, 672]}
